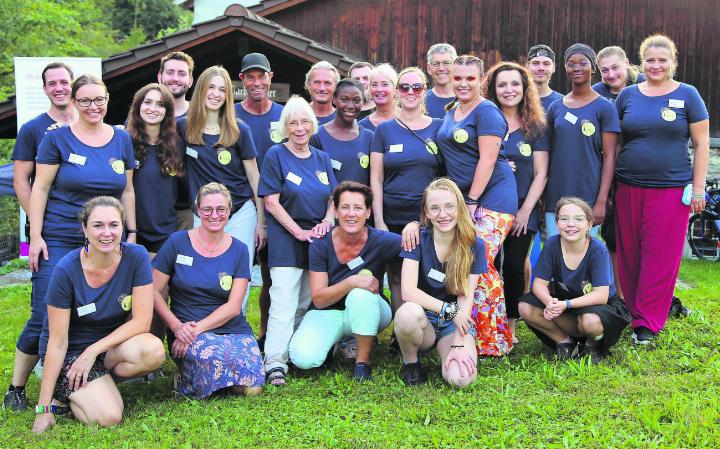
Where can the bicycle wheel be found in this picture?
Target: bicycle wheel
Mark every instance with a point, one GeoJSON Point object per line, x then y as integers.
{"type": "Point", "coordinates": [703, 237]}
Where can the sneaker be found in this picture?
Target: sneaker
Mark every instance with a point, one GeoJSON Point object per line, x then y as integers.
{"type": "Point", "coordinates": [412, 374]}
{"type": "Point", "coordinates": [15, 399]}
{"type": "Point", "coordinates": [362, 372]}
{"type": "Point", "coordinates": [594, 353]}
{"type": "Point", "coordinates": [642, 336]}
{"type": "Point", "coordinates": [565, 351]}
{"type": "Point", "coordinates": [348, 348]}
{"type": "Point", "coordinates": [677, 309]}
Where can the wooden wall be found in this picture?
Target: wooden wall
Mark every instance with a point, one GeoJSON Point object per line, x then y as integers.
{"type": "Point", "coordinates": [400, 31]}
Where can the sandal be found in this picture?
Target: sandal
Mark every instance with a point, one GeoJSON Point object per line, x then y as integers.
{"type": "Point", "coordinates": [276, 377]}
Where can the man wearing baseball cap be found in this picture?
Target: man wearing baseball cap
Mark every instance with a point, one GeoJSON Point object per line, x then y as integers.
{"type": "Point", "coordinates": [541, 63]}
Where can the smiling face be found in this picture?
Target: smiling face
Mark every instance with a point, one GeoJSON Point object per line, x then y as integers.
{"type": "Point", "coordinates": [214, 211]}
{"type": "Point", "coordinates": [658, 63]}
{"type": "Point", "coordinates": [362, 74]}
{"type": "Point", "coordinates": [348, 102]}
{"type": "Point", "coordinates": [613, 69]}
{"type": "Point", "coordinates": [413, 98]}
{"type": "Point", "coordinates": [257, 84]}
{"type": "Point", "coordinates": [321, 85]}
{"type": "Point", "coordinates": [439, 68]}
{"type": "Point", "coordinates": [215, 93]}
{"type": "Point", "coordinates": [578, 69]}
{"type": "Point", "coordinates": [509, 88]}
{"type": "Point", "coordinates": [92, 113]}
{"type": "Point", "coordinates": [176, 76]}
{"type": "Point", "coordinates": [103, 229]}
{"type": "Point", "coordinates": [299, 129]}
{"type": "Point", "coordinates": [381, 90]}
{"type": "Point", "coordinates": [58, 85]}
{"type": "Point", "coordinates": [351, 212]}
{"type": "Point", "coordinates": [541, 68]}
{"type": "Point", "coordinates": [573, 223]}
{"type": "Point", "coordinates": [466, 82]}
{"type": "Point", "coordinates": [441, 208]}
{"type": "Point", "coordinates": [152, 108]}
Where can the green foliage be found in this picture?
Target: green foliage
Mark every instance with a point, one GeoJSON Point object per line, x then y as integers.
{"type": "Point", "coordinates": [659, 397]}
{"type": "Point", "coordinates": [151, 16]}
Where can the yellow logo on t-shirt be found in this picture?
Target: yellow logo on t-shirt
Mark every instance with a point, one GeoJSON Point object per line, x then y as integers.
{"type": "Point", "coordinates": [118, 166]}
{"type": "Point", "coordinates": [275, 136]}
{"type": "Point", "coordinates": [587, 128]}
{"type": "Point", "coordinates": [323, 177]}
{"type": "Point", "coordinates": [431, 146]}
{"type": "Point", "coordinates": [525, 148]}
{"type": "Point", "coordinates": [460, 135]}
{"type": "Point", "coordinates": [225, 281]}
{"type": "Point", "coordinates": [224, 156]}
{"type": "Point", "coordinates": [668, 114]}
{"type": "Point", "coordinates": [364, 160]}
{"type": "Point", "coordinates": [587, 287]}
{"type": "Point", "coordinates": [125, 302]}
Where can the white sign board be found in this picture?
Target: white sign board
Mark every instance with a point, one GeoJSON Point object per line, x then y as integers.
{"type": "Point", "coordinates": [30, 99]}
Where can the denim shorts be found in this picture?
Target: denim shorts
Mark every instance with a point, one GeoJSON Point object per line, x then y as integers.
{"type": "Point", "coordinates": [442, 327]}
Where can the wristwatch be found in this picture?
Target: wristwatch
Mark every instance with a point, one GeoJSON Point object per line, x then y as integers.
{"type": "Point", "coordinates": [448, 311]}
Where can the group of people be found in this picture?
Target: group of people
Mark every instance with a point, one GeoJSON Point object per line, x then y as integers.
{"type": "Point", "coordinates": [376, 175]}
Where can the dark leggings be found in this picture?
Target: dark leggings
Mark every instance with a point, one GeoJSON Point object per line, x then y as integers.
{"type": "Point", "coordinates": [515, 251]}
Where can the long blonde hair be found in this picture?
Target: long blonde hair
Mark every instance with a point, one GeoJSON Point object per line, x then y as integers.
{"type": "Point", "coordinates": [197, 115]}
{"type": "Point", "coordinates": [460, 254]}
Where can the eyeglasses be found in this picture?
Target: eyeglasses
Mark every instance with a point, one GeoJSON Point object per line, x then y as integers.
{"type": "Point", "coordinates": [407, 87]}
{"type": "Point", "coordinates": [85, 102]}
{"type": "Point", "coordinates": [437, 64]}
{"type": "Point", "coordinates": [221, 211]}
{"type": "Point", "coordinates": [565, 219]}
{"type": "Point", "coordinates": [434, 211]}
{"type": "Point", "coordinates": [299, 123]}
{"type": "Point", "coordinates": [581, 65]}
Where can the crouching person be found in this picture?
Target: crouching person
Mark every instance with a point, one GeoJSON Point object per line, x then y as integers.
{"type": "Point", "coordinates": [439, 277]}
{"type": "Point", "coordinates": [346, 269]}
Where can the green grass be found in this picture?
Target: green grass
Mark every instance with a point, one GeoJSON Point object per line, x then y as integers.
{"type": "Point", "coordinates": [664, 397]}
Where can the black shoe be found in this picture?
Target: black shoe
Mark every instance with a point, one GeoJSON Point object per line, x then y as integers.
{"type": "Point", "coordinates": [412, 374]}
{"type": "Point", "coordinates": [594, 353]}
{"type": "Point", "coordinates": [643, 336]}
{"type": "Point", "coordinates": [15, 399]}
{"type": "Point", "coordinates": [565, 351]}
{"type": "Point", "coordinates": [677, 309]}
{"type": "Point", "coordinates": [362, 372]}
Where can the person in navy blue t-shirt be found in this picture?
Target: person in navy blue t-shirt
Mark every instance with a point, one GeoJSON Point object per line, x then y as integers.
{"type": "Point", "coordinates": [616, 72]}
{"type": "Point", "coordinates": [158, 164]}
{"type": "Point", "coordinates": [541, 64]}
{"type": "Point", "coordinates": [440, 59]}
{"type": "Point", "coordinates": [510, 87]}
{"type": "Point", "coordinates": [346, 272]}
{"type": "Point", "coordinates": [658, 185]}
{"type": "Point", "coordinates": [57, 79]}
{"type": "Point", "coordinates": [347, 143]}
{"type": "Point", "coordinates": [573, 299]}
{"type": "Point", "coordinates": [99, 310]}
{"type": "Point", "coordinates": [439, 277]}
{"type": "Point", "coordinates": [383, 79]}
{"type": "Point", "coordinates": [296, 183]}
{"type": "Point", "coordinates": [207, 272]}
{"type": "Point", "coordinates": [320, 82]}
{"type": "Point", "coordinates": [583, 130]}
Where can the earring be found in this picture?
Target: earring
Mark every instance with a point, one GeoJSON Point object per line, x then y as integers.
{"type": "Point", "coordinates": [87, 244]}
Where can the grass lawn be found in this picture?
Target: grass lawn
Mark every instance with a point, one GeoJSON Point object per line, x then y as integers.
{"type": "Point", "coordinates": [666, 396]}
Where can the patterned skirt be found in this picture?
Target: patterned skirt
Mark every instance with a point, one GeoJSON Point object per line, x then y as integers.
{"type": "Point", "coordinates": [217, 361]}
{"type": "Point", "coordinates": [494, 337]}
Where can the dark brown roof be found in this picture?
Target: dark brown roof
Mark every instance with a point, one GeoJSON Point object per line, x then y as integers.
{"type": "Point", "coordinates": [267, 7]}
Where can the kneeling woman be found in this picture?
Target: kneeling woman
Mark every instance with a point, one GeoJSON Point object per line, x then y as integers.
{"type": "Point", "coordinates": [346, 269]}
{"type": "Point", "coordinates": [208, 272]}
{"type": "Point", "coordinates": [92, 293]}
{"type": "Point", "coordinates": [573, 298]}
{"type": "Point", "coordinates": [438, 280]}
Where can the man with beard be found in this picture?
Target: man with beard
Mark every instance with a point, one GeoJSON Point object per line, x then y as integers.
{"type": "Point", "coordinates": [320, 82]}
{"type": "Point", "coordinates": [360, 71]}
{"type": "Point", "coordinates": [440, 58]}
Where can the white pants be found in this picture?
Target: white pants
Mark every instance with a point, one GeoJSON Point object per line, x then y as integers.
{"type": "Point", "coordinates": [242, 226]}
{"type": "Point", "coordinates": [289, 300]}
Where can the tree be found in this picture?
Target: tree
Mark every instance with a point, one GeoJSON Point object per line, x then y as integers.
{"type": "Point", "coordinates": [151, 16]}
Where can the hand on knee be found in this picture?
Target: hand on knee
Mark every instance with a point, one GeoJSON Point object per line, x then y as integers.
{"type": "Point", "coordinates": [454, 377]}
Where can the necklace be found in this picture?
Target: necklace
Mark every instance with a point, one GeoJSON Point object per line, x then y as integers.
{"type": "Point", "coordinates": [212, 129]}
{"type": "Point", "coordinates": [211, 251]}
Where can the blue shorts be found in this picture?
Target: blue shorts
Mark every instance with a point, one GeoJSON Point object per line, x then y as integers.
{"type": "Point", "coordinates": [444, 328]}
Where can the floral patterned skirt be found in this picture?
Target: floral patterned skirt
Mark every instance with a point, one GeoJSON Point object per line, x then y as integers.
{"type": "Point", "coordinates": [217, 361]}
{"type": "Point", "coordinates": [494, 337]}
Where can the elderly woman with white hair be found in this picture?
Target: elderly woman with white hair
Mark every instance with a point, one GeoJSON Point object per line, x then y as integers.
{"type": "Point", "coordinates": [296, 182]}
{"type": "Point", "coordinates": [383, 79]}
{"type": "Point", "coordinates": [320, 82]}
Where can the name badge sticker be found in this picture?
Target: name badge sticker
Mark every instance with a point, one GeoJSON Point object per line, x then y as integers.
{"type": "Point", "coordinates": [336, 165]}
{"type": "Point", "coordinates": [192, 152]}
{"type": "Point", "coordinates": [356, 262]}
{"type": "Point", "coordinates": [292, 177]}
{"type": "Point", "coordinates": [673, 103]}
{"type": "Point", "coordinates": [570, 118]}
{"type": "Point", "coordinates": [435, 274]}
{"type": "Point", "coordinates": [396, 148]}
{"type": "Point", "coordinates": [77, 159]}
{"type": "Point", "coordinates": [87, 309]}
{"type": "Point", "coordinates": [184, 260]}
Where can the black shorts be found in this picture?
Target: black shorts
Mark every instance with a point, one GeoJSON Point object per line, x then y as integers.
{"type": "Point", "coordinates": [62, 385]}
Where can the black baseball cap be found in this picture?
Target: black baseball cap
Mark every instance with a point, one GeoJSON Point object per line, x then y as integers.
{"type": "Point", "coordinates": [541, 50]}
{"type": "Point", "coordinates": [255, 61]}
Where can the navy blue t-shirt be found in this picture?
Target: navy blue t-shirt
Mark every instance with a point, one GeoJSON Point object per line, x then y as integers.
{"type": "Point", "coordinates": [431, 277]}
{"type": "Point", "coordinates": [604, 90]}
{"type": "Point", "coordinates": [29, 138]}
{"type": "Point", "coordinates": [381, 247]}
{"type": "Point", "coordinates": [458, 142]}
{"type": "Point", "coordinates": [155, 194]}
{"type": "Point", "coordinates": [655, 134]}
{"type": "Point", "coordinates": [350, 159]}
{"type": "Point", "coordinates": [547, 100]}
{"type": "Point", "coordinates": [96, 312]}
{"type": "Point", "coordinates": [265, 128]}
{"type": "Point", "coordinates": [183, 201]}
{"type": "Point", "coordinates": [213, 163]}
{"type": "Point", "coordinates": [520, 150]}
{"type": "Point", "coordinates": [576, 157]}
{"type": "Point", "coordinates": [84, 172]}
{"type": "Point", "coordinates": [304, 186]}
{"type": "Point", "coordinates": [326, 118]}
{"type": "Point", "coordinates": [409, 165]}
{"type": "Point", "coordinates": [594, 270]}
{"type": "Point", "coordinates": [199, 284]}
{"type": "Point", "coordinates": [367, 124]}
{"type": "Point", "coordinates": [435, 105]}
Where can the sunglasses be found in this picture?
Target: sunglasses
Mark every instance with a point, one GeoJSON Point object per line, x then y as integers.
{"type": "Point", "coordinates": [407, 87]}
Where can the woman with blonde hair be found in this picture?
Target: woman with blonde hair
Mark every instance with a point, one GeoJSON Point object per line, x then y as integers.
{"type": "Point", "coordinates": [383, 79]}
{"type": "Point", "coordinates": [439, 277]}
{"type": "Point", "coordinates": [616, 72]}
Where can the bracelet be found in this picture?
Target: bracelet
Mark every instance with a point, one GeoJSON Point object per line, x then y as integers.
{"type": "Point", "coordinates": [131, 231]}
{"type": "Point", "coordinates": [261, 226]}
{"type": "Point", "coordinates": [40, 409]}
{"type": "Point", "coordinates": [329, 220]}
{"type": "Point", "coordinates": [471, 202]}
{"type": "Point", "coordinates": [568, 304]}
{"type": "Point", "coordinates": [456, 346]}
{"type": "Point", "coordinates": [698, 196]}
{"type": "Point", "coordinates": [448, 311]}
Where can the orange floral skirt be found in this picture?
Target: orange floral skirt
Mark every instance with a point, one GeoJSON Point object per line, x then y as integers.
{"type": "Point", "coordinates": [494, 337]}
